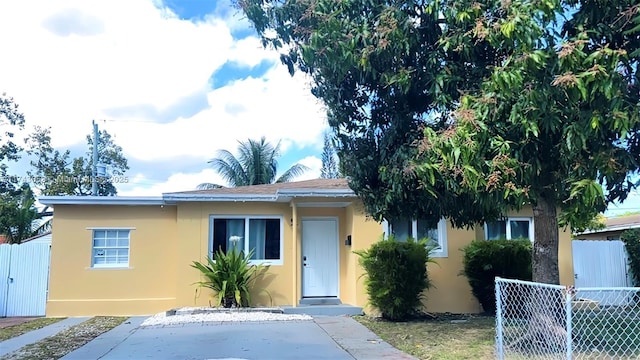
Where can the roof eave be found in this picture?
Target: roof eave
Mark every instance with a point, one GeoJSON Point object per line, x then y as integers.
{"type": "Point", "coordinates": [100, 200]}
{"type": "Point", "coordinates": [316, 193]}
{"type": "Point", "coordinates": [172, 198]}
{"type": "Point", "coordinates": [611, 228]}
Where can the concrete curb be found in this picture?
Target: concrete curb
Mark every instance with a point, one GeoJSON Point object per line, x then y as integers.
{"type": "Point", "coordinates": [13, 344]}
{"type": "Point", "coordinates": [358, 340]}
{"type": "Point", "coordinates": [103, 344]}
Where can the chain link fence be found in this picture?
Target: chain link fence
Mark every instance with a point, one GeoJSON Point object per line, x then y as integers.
{"type": "Point", "coordinates": [542, 321]}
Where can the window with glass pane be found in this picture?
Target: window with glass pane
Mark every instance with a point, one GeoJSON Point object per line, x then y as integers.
{"type": "Point", "coordinates": [402, 229]}
{"type": "Point", "coordinates": [510, 228]}
{"type": "Point", "coordinates": [228, 234]}
{"type": "Point", "coordinates": [519, 229]}
{"type": "Point", "coordinates": [427, 230]}
{"type": "Point", "coordinates": [110, 248]}
{"type": "Point", "coordinates": [497, 230]}
{"type": "Point", "coordinates": [263, 235]}
{"type": "Point", "coordinates": [264, 239]}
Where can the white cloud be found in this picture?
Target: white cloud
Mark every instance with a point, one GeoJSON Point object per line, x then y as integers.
{"type": "Point", "coordinates": [139, 185]}
{"type": "Point", "coordinates": [314, 164]}
{"type": "Point", "coordinates": [71, 61]}
{"type": "Point", "coordinates": [250, 108]}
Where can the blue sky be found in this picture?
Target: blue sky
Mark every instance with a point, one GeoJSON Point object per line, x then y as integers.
{"type": "Point", "coordinates": [173, 81]}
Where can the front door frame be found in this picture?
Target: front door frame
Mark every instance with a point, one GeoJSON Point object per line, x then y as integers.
{"type": "Point", "coordinates": [320, 218]}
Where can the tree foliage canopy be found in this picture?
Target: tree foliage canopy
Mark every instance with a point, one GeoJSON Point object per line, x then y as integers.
{"type": "Point", "coordinates": [18, 215]}
{"type": "Point", "coordinates": [255, 164]}
{"type": "Point", "coordinates": [55, 173]}
{"type": "Point", "coordinates": [330, 168]}
{"type": "Point", "coordinates": [467, 109]}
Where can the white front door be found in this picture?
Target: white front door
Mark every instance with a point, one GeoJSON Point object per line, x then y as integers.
{"type": "Point", "coordinates": [320, 258]}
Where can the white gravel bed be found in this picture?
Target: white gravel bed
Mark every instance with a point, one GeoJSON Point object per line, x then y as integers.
{"type": "Point", "coordinates": [162, 318]}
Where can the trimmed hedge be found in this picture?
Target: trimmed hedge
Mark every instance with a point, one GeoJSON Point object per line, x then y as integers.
{"type": "Point", "coordinates": [484, 260]}
{"type": "Point", "coordinates": [396, 276]}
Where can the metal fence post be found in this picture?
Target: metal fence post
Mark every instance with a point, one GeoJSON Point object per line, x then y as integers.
{"type": "Point", "coordinates": [568, 308]}
{"type": "Point", "coordinates": [499, 334]}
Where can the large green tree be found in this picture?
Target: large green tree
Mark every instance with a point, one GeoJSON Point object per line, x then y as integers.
{"type": "Point", "coordinates": [255, 164]}
{"type": "Point", "coordinates": [55, 173]}
{"type": "Point", "coordinates": [556, 123]}
{"type": "Point", "coordinates": [19, 218]}
{"type": "Point", "coordinates": [379, 66]}
{"type": "Point", "coordinates": [468, 109]}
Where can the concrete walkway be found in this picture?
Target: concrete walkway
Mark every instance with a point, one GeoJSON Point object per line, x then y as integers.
{"type": "Point", "coordinates": [13, 344]}
{"type": "Point", "coordinates": [106, 342]}
{"type": "Point", "coordinates": [324, 338]}
{"type": "Point", "coordinates": [358, 340]}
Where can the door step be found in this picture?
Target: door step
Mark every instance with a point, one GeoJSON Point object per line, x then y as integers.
{"type": "Point", "coordinates": [324, 310]}
{"type": "Point", "coordinates": [320, 301]}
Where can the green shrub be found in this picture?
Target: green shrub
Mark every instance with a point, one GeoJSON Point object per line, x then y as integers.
{"type": "Point", "coordinates": [396, 276]}
{"type": "Point", "coordinates": [484, 260]}
{"type": "Point", "coordinates": [631, 240]}
{"type": "Point", "coordinates": [230, 276]}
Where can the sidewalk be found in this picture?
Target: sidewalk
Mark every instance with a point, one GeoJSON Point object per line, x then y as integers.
{"type": "Point", "coordinates": [358, 340]}
{"type": "Point", "coordinates": [107, 341]}
{"type": "Point", "coordinates": [13, 344]}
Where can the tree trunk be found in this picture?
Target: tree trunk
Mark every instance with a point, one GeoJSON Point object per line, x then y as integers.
{"type": "Point", "coordinates": [545, 244]}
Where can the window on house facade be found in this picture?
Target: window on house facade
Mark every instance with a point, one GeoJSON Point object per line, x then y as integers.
{"type": "Point", "coordinates": [403, 229]}
{"type": "Point", "coordinates": [509, 228]}
{"type": "Point", "coordinates": [261, 234]}
{"type": "Point", "coordinates": [110, 248]}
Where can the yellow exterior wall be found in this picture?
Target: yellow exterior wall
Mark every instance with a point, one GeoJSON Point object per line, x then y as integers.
{"type": "Point", "coordinates": [450, 291]}
{"type": "Point", "coordinates": [193, 227]}
{"type": "Point", "coordinates": [146, 287]}
{"type": "Point", "coordinates": [166, 241]}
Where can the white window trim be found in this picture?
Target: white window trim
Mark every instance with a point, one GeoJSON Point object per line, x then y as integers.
{"type": "Point", "coordinates": [508, 227]}
{"type": "Point", "coordinates": [246, 231]}
{"type": "Point", "coordinates": [110, 266]}
{"type": "Point", "coordinates": [443, 252]}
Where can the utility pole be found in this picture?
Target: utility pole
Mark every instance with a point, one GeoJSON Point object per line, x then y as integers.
{"type": "Point", "coordinates": [94, 168]}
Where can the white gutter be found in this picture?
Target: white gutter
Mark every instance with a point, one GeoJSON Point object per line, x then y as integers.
{"type": "Point", "coordinates": [173, 197]}
{"type": "Point", "coordinates": [100, 200]}
{"type": "Point", "coordinates": [316, 192]}
{"type": "Point", "coordinates": [611, 228]}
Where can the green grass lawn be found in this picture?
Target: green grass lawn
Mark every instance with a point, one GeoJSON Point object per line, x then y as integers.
{"type": "Point", "coordinates": [19, 329]}
{"type": "Point", "coordinates": [444, 338]}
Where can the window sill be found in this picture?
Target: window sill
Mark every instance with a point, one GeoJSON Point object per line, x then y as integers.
{"type": "Point", "coordinates": [266, 262]}
{"type": "Point", "coordinates": [109, 268]}
{"type": "Point", "coordinates": [439, 255]}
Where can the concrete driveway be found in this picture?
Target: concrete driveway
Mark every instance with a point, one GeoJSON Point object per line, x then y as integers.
{"type": "Point", "coordinates": [335, 338]}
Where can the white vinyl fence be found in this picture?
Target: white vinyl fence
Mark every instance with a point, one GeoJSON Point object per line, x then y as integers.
{"type": "Point", "coordinates": [600, 263]}
{"type": "Point", "coordinates": [24, 277]}
{"type": "Point", "coordinates": [542, 321]}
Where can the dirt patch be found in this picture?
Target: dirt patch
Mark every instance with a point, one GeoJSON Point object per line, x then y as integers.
{"type": "Point", "coordinates": [12, 327]}
{"type": "Point", "coordinates": [57, 346]}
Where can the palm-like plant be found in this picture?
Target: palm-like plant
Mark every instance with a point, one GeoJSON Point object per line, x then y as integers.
{"type": "Point", "coordinates": [230, 276]}
{"type": "Point", "coordinates": [255, 164]}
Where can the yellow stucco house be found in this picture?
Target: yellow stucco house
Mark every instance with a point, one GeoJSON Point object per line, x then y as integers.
{"type": "Point", "coordinates": [132, 255]}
